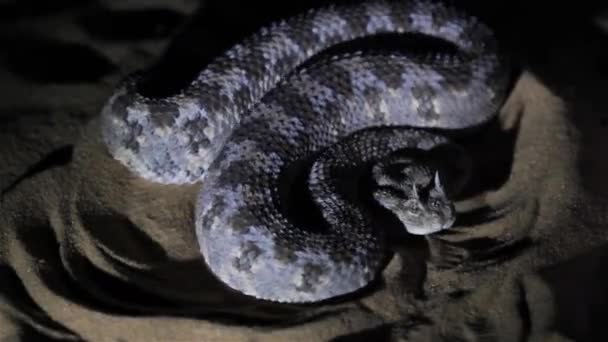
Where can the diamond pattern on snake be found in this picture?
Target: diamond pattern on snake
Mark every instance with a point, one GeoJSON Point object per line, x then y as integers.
{"type": "Point", "coordinates": [270, 102]}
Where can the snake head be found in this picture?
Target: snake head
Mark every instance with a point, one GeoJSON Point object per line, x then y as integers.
{"type": "Point", "coordinates": [415, 194]}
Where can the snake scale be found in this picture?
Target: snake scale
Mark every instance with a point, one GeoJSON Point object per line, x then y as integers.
{"type": "Point", "coordinates": [258, 108]}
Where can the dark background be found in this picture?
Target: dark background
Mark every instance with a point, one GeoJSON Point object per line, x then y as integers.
{"type": "Point", "coordinates": [556, 41]}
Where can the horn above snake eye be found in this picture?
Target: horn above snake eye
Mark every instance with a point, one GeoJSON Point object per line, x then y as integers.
{"type": "Point", "coordinates": [438, 184]}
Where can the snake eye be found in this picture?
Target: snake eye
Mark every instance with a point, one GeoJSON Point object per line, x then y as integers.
{"type": "Point", "coordinates": [434, 203]}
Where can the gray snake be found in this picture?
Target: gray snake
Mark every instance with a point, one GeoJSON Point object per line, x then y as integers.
{"type": "Point", "coordinates": [258, 109]}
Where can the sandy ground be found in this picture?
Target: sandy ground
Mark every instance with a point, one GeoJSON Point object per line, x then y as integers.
{"type": "Point", "coordinates": [89, 252]}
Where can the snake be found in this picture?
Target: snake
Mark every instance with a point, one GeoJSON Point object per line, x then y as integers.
{"type": "Point", "coordinates": [277, 98]}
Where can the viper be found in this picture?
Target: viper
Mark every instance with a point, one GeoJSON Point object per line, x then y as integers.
{"type": "Point", "coordinates": [278, 98]}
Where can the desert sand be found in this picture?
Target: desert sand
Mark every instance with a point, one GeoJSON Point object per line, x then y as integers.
{"type": "Point", "coordinates": [90, 252]}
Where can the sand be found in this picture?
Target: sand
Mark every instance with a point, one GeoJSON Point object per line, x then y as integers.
{"type": "Point", "coordinates": [90, 252]}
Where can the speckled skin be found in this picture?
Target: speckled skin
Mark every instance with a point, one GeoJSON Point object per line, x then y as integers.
{"type": "Point", "coordinates": [251, 114]}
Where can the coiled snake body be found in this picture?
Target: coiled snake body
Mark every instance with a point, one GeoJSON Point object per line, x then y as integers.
{"type": "Point", "coordinates": [252, 113]}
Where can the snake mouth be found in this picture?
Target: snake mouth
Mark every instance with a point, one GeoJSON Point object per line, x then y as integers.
{"type": "Point", "coordinates": [426, 230]}
{"type": "Point", "coordinates": [430, 227]}
{"type": "Point", "coordinates": [450, 223]}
